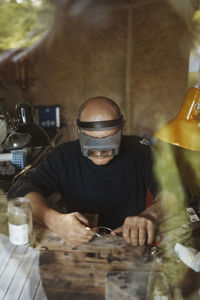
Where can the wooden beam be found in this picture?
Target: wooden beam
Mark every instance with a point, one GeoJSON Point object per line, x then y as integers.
{"type": "Point", "coordinates": [128, 76]}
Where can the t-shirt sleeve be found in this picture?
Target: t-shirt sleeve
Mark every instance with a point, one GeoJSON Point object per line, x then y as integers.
{"type": "Point", "coordinates": [43, 179]}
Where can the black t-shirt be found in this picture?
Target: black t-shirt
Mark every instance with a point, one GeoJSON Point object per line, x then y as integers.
{"type": "Point", "coordinates": [114, 191]}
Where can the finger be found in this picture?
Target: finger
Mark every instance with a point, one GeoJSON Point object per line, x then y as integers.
{"type": "Point", "coordinates": [126, 233]}
{"type": "Point", "coordinates": [90, 232]}
{"type": "Point", "coordinates": [82, 231]}
{"type": "Point", "coordinates": [134, 235]}
{"type": "Point", "coordinates": [82, 218]}
{"type": "Point", "coordinates": [113, 233]}
{"type": "Point", "coordinates": [78, 242]}
{"type": "Point", "coordinates": [80, 239]}
{"type": "Point", "coordinates": [142, 235]}
{"type": "Point", "coordinates": [150, 233]}
{"type": "Point", "coordinates": [86, 239]}
{"type": "Point", "coordinates": [118, 230]}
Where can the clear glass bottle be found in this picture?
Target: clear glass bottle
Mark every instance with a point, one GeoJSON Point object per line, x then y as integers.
{"type": "Point", "coordinates": [19, 221]}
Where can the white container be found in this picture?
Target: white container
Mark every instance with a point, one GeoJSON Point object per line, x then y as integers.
{"type": "Point", "coordinates": [19, 221]}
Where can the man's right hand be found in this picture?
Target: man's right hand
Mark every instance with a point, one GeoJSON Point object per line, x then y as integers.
{"type": "Point", "coordinates": [72, 228]}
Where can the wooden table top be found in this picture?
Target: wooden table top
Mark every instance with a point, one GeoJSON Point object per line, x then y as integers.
{"type": "Point", "coordinates": [106, 268]}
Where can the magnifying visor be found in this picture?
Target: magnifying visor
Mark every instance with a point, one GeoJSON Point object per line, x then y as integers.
{"type": "Point", "coordinates": [96, 147]}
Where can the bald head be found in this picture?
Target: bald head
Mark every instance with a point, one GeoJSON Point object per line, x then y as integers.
{"type": "Point", "coordinates": [92, 113]}
{"type": "Point", "coordinates": [99, 109]}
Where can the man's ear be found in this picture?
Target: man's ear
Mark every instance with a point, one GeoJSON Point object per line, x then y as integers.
{"type": "Point", "coordinates": [78, 129]}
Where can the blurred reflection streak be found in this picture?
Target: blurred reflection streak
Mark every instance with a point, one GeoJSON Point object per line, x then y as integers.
{"type": "Point", "coordinates": [19, 272]}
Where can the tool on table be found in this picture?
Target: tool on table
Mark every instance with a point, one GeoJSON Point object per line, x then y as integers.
{"type": "Point", "coordinates": [151, 250]}
{"type": "Point", "coordinates": [100, 230]}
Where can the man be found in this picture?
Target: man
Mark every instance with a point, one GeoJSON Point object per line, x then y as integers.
{"type": "Point", "coordinates": [101, 173]}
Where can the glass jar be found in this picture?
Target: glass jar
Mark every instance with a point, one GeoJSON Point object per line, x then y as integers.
{"type": "Point", "coordinates": [19, 221]}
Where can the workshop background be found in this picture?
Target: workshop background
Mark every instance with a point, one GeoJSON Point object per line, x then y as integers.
{"type": "Point", "coordinates": [135, 52]}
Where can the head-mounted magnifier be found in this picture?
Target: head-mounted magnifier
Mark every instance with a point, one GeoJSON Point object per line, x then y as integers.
{"type": "Point", "coordinates": [96, 147]}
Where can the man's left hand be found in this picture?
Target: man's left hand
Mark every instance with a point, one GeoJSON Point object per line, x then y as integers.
{"type": "Point", "coordinates": [137, 230]}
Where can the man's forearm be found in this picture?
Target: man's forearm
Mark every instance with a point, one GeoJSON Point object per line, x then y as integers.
{"type": "Point", "coordinates": [41, 211]}
{"type": "Point", "coordinates": [164, 205]}
{"type": "Point", "coordinates": [155, 211]}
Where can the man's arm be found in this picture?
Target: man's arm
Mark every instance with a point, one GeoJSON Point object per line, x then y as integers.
{"type": "Point", "coordinates": [71, 227]}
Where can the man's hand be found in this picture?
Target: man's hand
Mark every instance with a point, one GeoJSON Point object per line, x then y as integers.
{"type": "Point", "coordinates": [137, 230]}
{"type": "Point", "coordinates": [72, 228]}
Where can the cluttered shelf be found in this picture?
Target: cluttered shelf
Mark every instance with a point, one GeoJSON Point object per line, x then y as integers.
{"type": "Point", "coordinates": [12, 162]}
{"type": "Point", "coordinates": [26, 135]}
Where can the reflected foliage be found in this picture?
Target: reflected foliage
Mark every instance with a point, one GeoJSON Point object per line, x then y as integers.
{"type": "Point", "coordinates": [23, 22]}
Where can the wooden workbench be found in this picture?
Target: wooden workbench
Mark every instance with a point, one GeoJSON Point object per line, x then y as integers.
{"type": "Point", "coordinates": [106, 268]}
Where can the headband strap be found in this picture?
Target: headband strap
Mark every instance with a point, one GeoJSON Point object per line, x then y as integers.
{"type": "Point", "coordinates": [101, 125]}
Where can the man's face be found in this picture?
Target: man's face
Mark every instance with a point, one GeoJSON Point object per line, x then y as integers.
{"type": "Point", "coordinates": [101, 160]}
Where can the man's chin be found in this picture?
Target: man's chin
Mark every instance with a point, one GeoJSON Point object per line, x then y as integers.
{"type": "Point", "coordinates": [101, 161]}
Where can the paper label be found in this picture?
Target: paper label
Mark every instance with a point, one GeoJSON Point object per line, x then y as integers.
{"type": "Point", "coordinates": [18, 234]}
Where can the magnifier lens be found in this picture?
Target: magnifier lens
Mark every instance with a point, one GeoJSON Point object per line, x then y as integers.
{"type": "Point", "coordinates": [98, 153]}
{"type": "Point", "coordinates": [94, 153]}
{"type": "Point", "coordinates": [101, 230]}
{"type": "Point", "coordinates": [16, 140]}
